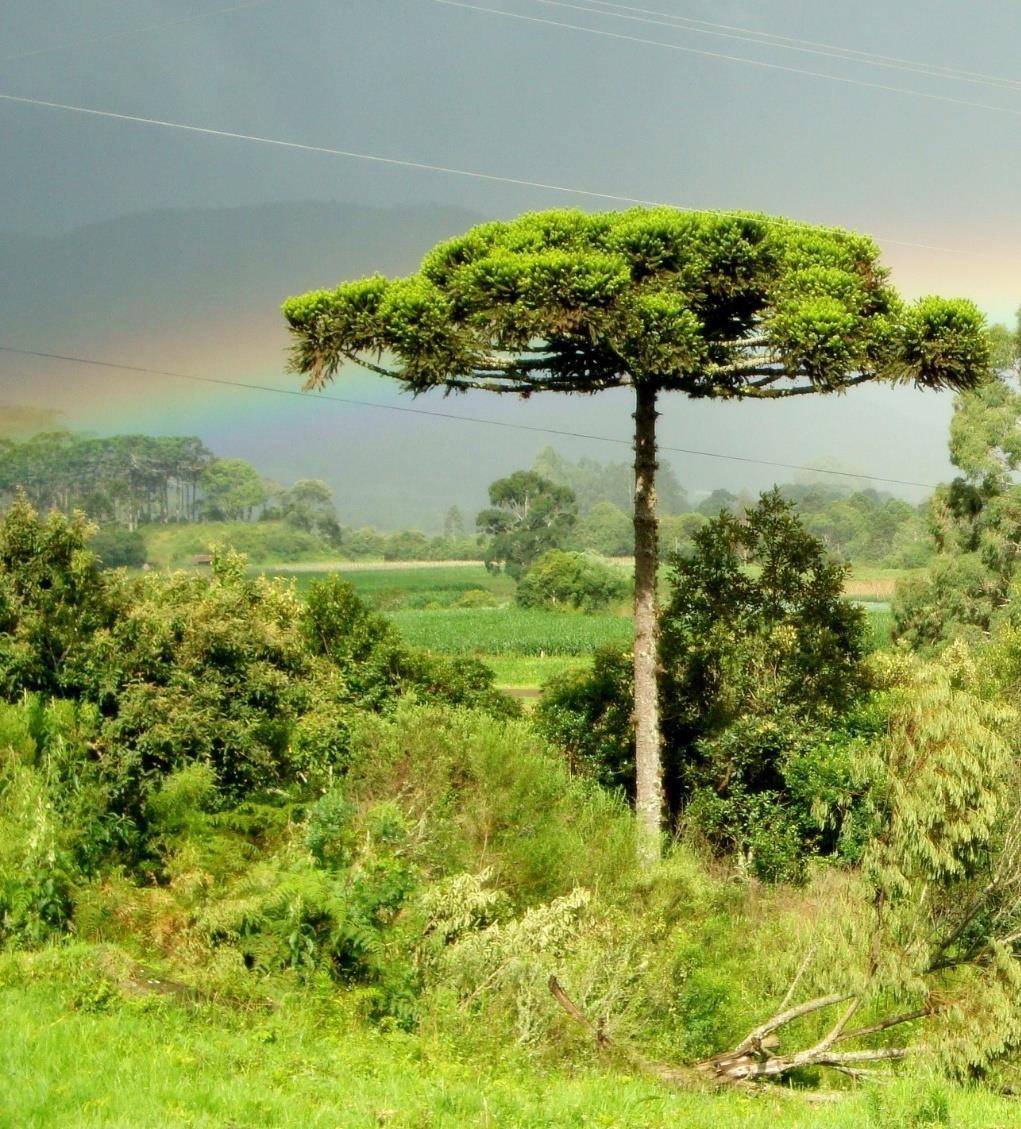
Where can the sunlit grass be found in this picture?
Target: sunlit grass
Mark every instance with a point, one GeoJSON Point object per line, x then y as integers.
{"type": "Point", "coordinates": [511, 631]}
{"type": "Point", "coordinates": [74, 1063]}
{"type": "Point", "coordinates": [529, 671]}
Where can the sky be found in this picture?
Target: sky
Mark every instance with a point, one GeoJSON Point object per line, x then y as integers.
{"type": "Point", "coordinates": [170, 249]}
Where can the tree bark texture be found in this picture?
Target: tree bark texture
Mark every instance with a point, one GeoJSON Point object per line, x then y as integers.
{"type": "Point", "coordinates": [648, 761]}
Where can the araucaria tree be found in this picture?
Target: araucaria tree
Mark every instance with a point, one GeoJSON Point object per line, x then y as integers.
{"type": "Point", "coordinates": [716, 306]}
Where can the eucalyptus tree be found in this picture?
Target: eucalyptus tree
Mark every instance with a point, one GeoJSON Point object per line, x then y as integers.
{"type": "Point", "coordinates": [715, 306]}
{"type": "Point", "coordinates": [528, 516]}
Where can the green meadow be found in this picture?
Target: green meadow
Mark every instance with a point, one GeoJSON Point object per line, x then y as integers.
{"type": "Point", "coordinates": [463, 609]}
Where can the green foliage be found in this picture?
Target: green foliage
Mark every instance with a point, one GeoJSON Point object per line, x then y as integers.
{"type": "Point", "coordinates": [605, 529]}
{"type": "Point", "coordinates": [486, 793]}
{"type": "Point", "coordinates": [943, 867]}
{"type": "Point", "coordinates": [761, 658]}
{"type": "Point", "coordinates": [975, 523]}
{"type": "Point", "coordinates": [655, 294]}
{"type": "Point", "coordinates": [53, 599]}
{"type": "Point", "coordinates": [119, 548]}
{"type": "Point", "coordinates": [210, 670]}
{"type": "Point", "coordinates": [56, 826]}
{"type": "Point", "coordinates": [124, 479]}
{"type": "Point", "coordinates": [561, 579]}
{"type": "Point", "coordinates": [232, 489]}
{"type": "Point", "coordinates": [755, 665]}
{"type": "Point", "coordinates": [377, 666]}
{"type": "Point", "coordinates": [587, 713]}
{"type": "Point", "coordinates": [529, 515]}
{"type": "Point", "coordinates": [262, 542]}
{"type": "Point", "coordinates": [957, 598]}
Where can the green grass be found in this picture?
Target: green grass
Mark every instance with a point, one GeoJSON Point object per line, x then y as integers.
{"type": "Point", "coordinates": [511, 631]}
{"type": "Point", "coordinates": [72, 1058]}
{"type": "Point", "coordinates": [263, 542]}
{"type": "Point", "coordinates": [530, 671]}
{"type": "Point", "coordinates": [388, 588]}
{"type": "Point", "coordinates": [880, 625]}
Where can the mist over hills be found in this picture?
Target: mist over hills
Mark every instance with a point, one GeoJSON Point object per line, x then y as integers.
{"type": "Point", "coordinates": [174, 268]}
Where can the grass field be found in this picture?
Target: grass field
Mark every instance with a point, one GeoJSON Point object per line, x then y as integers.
{"type": "Point", "coordinates": [530, 671]}
{"type": "Point", "coordinates": [74, 1056]}
{"type": "Point", "coordinates": [413, 585]}
{"type": "Point", "coordinates": [511, 631]}
{"type": "Point", "coordinates": [524, 648]}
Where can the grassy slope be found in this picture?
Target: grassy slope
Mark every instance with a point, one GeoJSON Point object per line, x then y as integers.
{"type": "Point", "coordinates": [153, 1064]}
{"type": "Point", "coordinates": [263, 542]}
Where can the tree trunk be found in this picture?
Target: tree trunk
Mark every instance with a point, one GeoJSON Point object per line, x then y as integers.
{"type": "Point", "coordinates": [648, 767]}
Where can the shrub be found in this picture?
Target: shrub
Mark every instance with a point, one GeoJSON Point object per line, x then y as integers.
{"type": "Point", "coordinates": [758, 667]}
{"type": "Point", "coordinates": [211, 670]}
{"type": "Point", "coordinates": [376, 665]}
{"type": "Point", "coordinates": [53, 599]}
{"type": "Point", "coordinates": [587, 713]}
{"type": "Point", "coordinates": [560, 579]}
{"type": "Point", "coordinates": [119, 548]}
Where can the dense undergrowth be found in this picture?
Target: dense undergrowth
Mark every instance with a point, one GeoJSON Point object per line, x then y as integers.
{"type": "Point", "coordinates": [264, 862]}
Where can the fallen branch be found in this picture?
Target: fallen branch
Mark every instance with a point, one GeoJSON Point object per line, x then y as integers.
{"type": "Point", "coordinates": [682, 1076]}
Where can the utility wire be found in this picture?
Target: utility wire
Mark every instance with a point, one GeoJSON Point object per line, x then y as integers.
{"type": "Point", "coordinates": [422, 166]}
{"type": "Point", "coordinates": [785, 68]}
{"type": "Point", "coordinates": [128, 32]}
{"type": "Point", "coordinates": [790, 43]}
{"type": "Point", "coordinates": [93, 362]}
{"type": "Point", "coordinates": [327, 151]}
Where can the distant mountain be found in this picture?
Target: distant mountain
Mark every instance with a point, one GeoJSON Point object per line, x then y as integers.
{"type": "Point", "coordinates": [166, 269]}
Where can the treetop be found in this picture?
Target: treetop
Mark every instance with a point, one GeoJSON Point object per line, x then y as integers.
{"type": "Point", "coordinates": [711, 304]}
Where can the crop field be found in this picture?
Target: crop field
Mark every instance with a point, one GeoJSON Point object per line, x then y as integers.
{"type": "Point", "coordinates": [462, 609]}
{"type": "Point", "coordinates": [511, 631]}
{"type": "Point", "coordinates": [410, 585]}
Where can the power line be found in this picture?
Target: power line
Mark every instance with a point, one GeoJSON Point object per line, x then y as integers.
{"type": "Point", "coordinates": [327, 151]}
{"type": "Point", "coordinates": [422, 166]}
{"type": "Point", "coordinates": [791, 43]}
{"type": "Point", "coordinates": [785, 68]}
{"type": "Point", "coordinates": [127, 32]}
{"type": "Point", "coordinates": [91, 361]}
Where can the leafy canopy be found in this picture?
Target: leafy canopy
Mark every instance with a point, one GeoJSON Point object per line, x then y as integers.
{"type": "Point", "coordinates": [529, 515]}
{"type": "Point", "coordinates": [709, 304]}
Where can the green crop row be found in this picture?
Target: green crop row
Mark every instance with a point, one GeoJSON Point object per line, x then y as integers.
{"type": "Point", "coordinates": [497, 631]}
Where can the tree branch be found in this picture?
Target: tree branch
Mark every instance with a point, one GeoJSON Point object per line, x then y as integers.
{"type": "Point", "coordinates": [781, 1019]}
{"type": "Point", "coordinates": [883, 1025]}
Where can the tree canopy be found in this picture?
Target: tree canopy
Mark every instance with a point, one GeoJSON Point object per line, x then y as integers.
{"type": "Point", "coordinates": [529, 516]}
{"type": "Point", "coordinates": [714, 305]}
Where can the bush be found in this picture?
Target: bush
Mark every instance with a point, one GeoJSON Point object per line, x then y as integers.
{"type": "Point", "coordinates": [119, 548]}
{"type": "Point", "coordinates": [377, 666]}
{"type": "Point", "coordinates": [587, 713]}
{"type": "Point", "coordinates": [53, 600]}
{"type": "Point", "coordinates": [561, 579]}
{"type": "Point", "coordinates": [211, 670]}
{"type": "Point", "coordinates": [758, 668]}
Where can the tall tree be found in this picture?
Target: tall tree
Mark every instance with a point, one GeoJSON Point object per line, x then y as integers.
{"type": "Point", "coordinates": [976, 519]}
{"type": "Point", "coordinates": [725, 306]}
{"type": "Point", "coordinates": [529, 515]}
{"type": "Point", "coordinates": [232, 488]}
